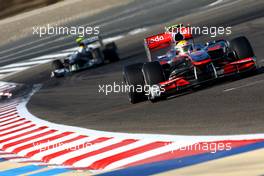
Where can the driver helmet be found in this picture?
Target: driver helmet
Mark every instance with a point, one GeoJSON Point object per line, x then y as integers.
{"type": "Point", "coordinates": [79, 40]}
{"type": "Point", "coordinates": [183, 47]}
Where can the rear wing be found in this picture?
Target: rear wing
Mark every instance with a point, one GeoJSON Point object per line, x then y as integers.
{"type": "Point", "coordinates": [163, 40]}
{"type": "Point", "coordinates": [93, 40]}
{"type": "Point", "coordinates": [157, 42]}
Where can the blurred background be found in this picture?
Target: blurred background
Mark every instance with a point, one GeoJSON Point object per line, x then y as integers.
{"type": "Point", "coordinates": [13, 7]}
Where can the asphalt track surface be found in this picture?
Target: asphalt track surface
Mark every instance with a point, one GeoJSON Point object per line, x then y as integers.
{"type": "Point", "coordinates": [230, 107]}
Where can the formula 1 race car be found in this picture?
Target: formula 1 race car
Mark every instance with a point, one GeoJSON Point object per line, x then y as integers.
{"type": "Point", "coordinates": [185, 65]}
{"type": "Point", "coordinates": [91, 52]}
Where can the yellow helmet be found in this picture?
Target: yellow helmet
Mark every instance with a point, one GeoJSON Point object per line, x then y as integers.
{"type": "Point", "coordinates": [182, 43]}
{"type": "Point", "coordinates": [183, 46]}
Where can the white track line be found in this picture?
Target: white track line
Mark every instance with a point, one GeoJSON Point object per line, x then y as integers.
{"type": "Point", "coordinates": [137, 31]}
{"type": "Point", "coordinates": [19, 160]}
{"type": "Point", "coordinates": [27, 63]}
{"type": "Point", "coordinates": [57, 55]}
{"type": "Point", "coordinates": [13, 69]}
{"type": "Point", "coordinates": [215, 3]}
{"type": "Point", "coordinates": [111, 39]}
{"type": "Point", "coordinates": [9, 156]}
{"type": "Point", "coordinates": [70, 49]}
{"type": "Point", "coordinates": [243, 86]}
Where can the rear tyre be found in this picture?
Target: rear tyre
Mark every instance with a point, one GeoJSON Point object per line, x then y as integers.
{"type": "Point", "coordinates": [111, 45]}
{"type": "Point", "coordinates": [242, 47]}
{"type": "Point", "coordinates": [110, 52]}
{"type": "Point", "coordinates": [153, 75]}
{"type": "Point", "coordinates": [133, 77]}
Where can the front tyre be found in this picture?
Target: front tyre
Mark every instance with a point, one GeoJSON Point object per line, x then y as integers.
{"type": "Point", "coordinates": [58, 69]}
{"type": "Point", "coordinates": [134, 79]}
{"type": "Point", "coordinates": [153, 75]}
{"type": "Point", "coordinates": [57, 64]}
{"type": "Point", "coordinates": [242, 47]}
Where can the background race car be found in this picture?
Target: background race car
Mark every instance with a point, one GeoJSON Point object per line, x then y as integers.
{"type": "Point", "coordinates": [91, 52]}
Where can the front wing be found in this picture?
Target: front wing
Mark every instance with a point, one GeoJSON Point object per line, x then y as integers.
{"type": "Point", "coordinates": [180, 84]}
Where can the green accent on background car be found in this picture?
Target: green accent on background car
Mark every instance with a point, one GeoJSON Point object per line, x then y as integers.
{"type": "Point", "coordinates": [79, 40]}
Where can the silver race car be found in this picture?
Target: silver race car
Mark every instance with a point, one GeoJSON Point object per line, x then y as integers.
{"type": "Point", "coordinates": [91, 52]}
